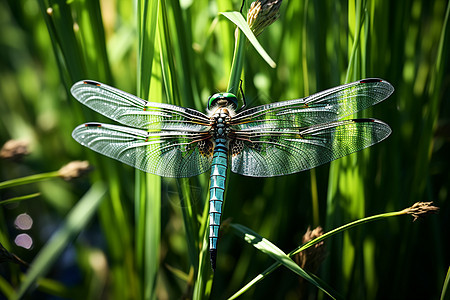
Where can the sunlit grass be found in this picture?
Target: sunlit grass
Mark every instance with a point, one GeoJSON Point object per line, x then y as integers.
{"type": "Point", "coordinates": [181, 53]}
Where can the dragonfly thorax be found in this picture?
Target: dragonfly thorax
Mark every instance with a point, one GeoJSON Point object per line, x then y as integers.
{"type": "Point", "coordinates": [220, 123]}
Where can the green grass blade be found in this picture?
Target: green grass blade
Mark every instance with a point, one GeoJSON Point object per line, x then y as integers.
{"type": "Point", "coordinates": [28, 179]}
{"type": "Point", "coordinates": [147, 25]}
{"type": "Point", "coordinates": [20, 198]}
{"type": "Point", "coordinates": [89, 17]}
{"type": "Point", "coordinates": [185, 60]}
{"type": "Point", "coordinates": [237, 65]}
{"type": "Point", "coordinates": [60, 27]}
{"type": "Point", "coordinates": [148, 189]}
{"type": "Point", "coordinates": [167, 56]}
{"type": "Point", "coordinates": [76, 220]}
{"type": "Point", "coordinates": [237, 18]}
{"type": "Point", "coordinates": [445, 286]}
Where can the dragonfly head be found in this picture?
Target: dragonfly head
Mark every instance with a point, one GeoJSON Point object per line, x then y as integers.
{"type": "Point", "coordinates": [223, 100]}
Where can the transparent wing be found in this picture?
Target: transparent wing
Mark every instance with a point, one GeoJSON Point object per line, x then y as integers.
{"type": "Point", "coordinates": [164, 153]}
{"type": "Point", "coordinates": [323, 107]}
{"type": "Point", "coordinates": [133, 111]}
{"type": "Point", "coordinates": [281, 151]}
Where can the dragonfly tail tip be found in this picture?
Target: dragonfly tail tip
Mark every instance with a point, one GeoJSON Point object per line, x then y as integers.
{"type": "Point", "coordinates": [212, 256]}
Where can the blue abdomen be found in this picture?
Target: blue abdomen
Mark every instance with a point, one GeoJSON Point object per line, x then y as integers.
{"type": "Point", "coordinates": [216, 196]}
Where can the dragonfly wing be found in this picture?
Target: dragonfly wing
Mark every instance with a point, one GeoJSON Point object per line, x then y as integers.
{"type": "Point", "coordinates": [282, 151]}
{"type": "Point", "coordinates": [323, 107]}
{"type": "Point", "coordinates": [164, 153]}
{"type": "Point", "coordinates": [136, 112]}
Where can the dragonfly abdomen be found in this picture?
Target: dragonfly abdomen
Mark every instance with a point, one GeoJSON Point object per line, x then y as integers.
{"type": "Point", "coordinates": [216, 195]}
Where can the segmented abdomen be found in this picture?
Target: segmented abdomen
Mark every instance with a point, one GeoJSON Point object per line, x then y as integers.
{"type": "Point", "coordinates": [216, 195]}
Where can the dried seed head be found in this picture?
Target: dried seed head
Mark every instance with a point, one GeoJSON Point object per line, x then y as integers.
{"type": "Point", "coordinates": [262, 13]}
{"type": "Point", "coordinates": [14, 149]}
{"type": "Point", "coordinates": [420, 209]}
{"type": "Point", "coordinates": [74, 169]}
{"type": "Point", "coordinates": [312, 257]}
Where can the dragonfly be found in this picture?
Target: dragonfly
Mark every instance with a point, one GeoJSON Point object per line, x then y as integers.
{"type": "Point", "coordinates": [275, 139]}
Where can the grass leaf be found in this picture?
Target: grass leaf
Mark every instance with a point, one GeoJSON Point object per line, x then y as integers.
{"type": "Point", "coordinates": [237, 18]}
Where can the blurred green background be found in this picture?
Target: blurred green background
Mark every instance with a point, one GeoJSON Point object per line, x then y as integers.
{"type": "Point", "coordinates": [46, 46]}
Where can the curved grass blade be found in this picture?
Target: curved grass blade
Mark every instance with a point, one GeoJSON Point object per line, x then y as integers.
{"type": "Point", "coordinates": [445, 286]}
{"type": "Point", "coordinates": [76, 220]}
{"type": "Point", "coordinates": [20, 198]}
{"type": "Point", "coordinates": [276, 253]}
{"type": "Point", "coordinates": [28, 179]}
{"type": "Point", "coordinates": [237, 18]}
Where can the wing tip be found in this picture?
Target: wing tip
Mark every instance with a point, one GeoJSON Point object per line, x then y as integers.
{"type": "Point", "coordinates": [368, 120]}
{"type": "Point", "coordinates": [88, 82]}
{"type": "Point", "coordinates": [82, 83]}
{"type": "Point", "coordinates": [91, 82]}
{"type": "Point", "coordinates": [92, 124]}
{"type": "Point", "coordinates": [379, 80]}
{"type": "Point", "coordinates": [83, 126]}
{"type": "Point", "coordinates": [371, 80]}
{"type": "Point", "coordinates": [383, 126]}
{"type": "Point", "coordinates": [364, 120]}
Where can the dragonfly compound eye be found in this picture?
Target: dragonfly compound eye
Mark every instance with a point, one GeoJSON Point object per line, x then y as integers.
{"type": "Point", "coordinates": [226, 98]}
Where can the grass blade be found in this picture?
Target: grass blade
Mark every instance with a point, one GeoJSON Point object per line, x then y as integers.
{"type": "Point", "coordinates": [237, 18]}
{"type": "Point", "coordinates": [445, 286]}
{"type": "Point", "coordinates": [148, 186]}
{"type": "Point", "coordinates": [20, 198]}
{"type": "Point", "coordinates": [28, 179]}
